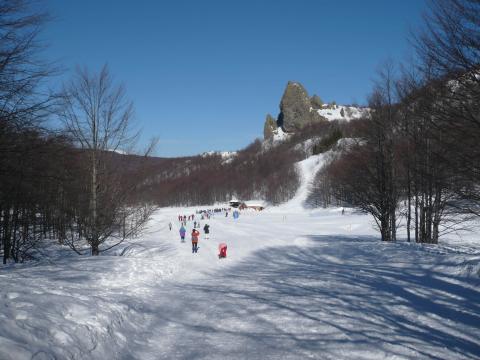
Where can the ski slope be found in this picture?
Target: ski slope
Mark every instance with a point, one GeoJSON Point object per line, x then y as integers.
{"type": "Point", "coordinates": [297, 284]}
{"type": "Point", "coordinates": [306, 170]}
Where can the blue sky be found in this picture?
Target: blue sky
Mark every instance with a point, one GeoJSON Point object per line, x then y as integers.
{"type": "Point", "coordinates": [204, 73]}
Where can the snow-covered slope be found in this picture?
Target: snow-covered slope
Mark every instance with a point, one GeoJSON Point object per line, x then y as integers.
{"type": "Point", "coordinates": [306, 171]}
{"type": "Point", "coordinates": [340, 112]}
{"type": "Point", "coordinates": [227, 156]}
{"type": "Point", "coordinates": [297, 284]}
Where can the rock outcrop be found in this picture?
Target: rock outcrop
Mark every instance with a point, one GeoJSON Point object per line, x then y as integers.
{"type": "Point", "coordinates": [296, 110]}
{"type": "Point", "coordinates": [316, 102]}
{"type": "Point", "coordinates": [269, 127]}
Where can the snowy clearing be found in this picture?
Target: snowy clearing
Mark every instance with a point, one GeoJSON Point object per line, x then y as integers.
{"type": "Point", "coordinates": [296, 284]}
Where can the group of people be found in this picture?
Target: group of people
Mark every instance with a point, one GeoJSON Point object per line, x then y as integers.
{"type": "Point", "coordinates": [207, 214]}
{"type": "Point", "coordinates": [211, 211]}
{"type": "Point", "coordinates": [184, 218]}
{"type": "Point", "coordinates": [195, 235]}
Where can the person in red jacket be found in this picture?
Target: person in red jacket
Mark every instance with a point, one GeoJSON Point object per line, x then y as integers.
{"type": "Point", "coordinates": [195, 235]}
{"type": "Point", "coordinates": [222, 250]}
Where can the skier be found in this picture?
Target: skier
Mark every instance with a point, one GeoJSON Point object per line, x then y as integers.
{"type": "Point", "coordinates": [182, 233]}
{"type": "Point", "coordinates": [170, 226]}
{"type": "Point", "coordinates": [194, 224]}
{"type": "Point", "coordinates": [206, 230]}
{"type": "Point", "coordinates": [195, 235]}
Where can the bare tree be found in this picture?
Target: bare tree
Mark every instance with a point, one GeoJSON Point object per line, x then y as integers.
{"type": "Point", "coordinates": [98, 116]}
{"type": "Point", "coordinates": [450, 40]}
{"type": "Point", "coordinates": [367, 174]}
{"type": "Point", "coordinates": [21, 68]}
{"type": "Point", "coordinates": [449, 47]}
{"type": "Point", "coordinates": [22, 105]}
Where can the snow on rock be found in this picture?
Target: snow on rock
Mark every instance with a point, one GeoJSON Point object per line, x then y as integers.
{"type": "Point", "coordinates": [279, 135]}
{"type": "Point", "coordinates": [340, 112]}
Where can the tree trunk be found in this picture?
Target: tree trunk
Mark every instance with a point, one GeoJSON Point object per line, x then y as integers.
{"type": "Point", "coordinates": [416, 218]}
{"type": "Point", "coordinates": [409, 203]}
{"type": "Point", "coordinates": [95, 234]}
{"type": "Point", "coordinates": [95, 249]}
{"type": "Point", "coordinates": [6, 236]}
{"type": "Point", "coordinates": [385, 229]}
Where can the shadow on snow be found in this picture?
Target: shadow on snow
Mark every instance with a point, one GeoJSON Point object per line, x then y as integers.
{"type": "Point", "coordinates": [341, 297]}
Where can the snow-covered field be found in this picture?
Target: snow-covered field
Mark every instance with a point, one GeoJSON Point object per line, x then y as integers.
{"type": "Point", "coordinates": [297, 284]}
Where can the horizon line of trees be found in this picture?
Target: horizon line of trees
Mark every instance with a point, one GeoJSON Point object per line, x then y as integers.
{"type": "Point", "coordinates": [252, 173]}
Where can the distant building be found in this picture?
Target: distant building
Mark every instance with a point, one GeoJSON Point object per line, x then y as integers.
{"type": "Point", "coordinates": [255, 206]}
{"type": "Point", "coordinates": [258, 206]}
{"type": "Point", "coordinates": [235, 203]}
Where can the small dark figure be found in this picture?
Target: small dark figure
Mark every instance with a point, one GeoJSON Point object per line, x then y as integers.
{"type": "Point", "coordinates": [206, 230]}
{"type": "Point", "coordinates": [343, 211]}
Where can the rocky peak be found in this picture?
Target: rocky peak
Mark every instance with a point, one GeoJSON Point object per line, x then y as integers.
{"type": "Point", "coordinates": [296, 110]}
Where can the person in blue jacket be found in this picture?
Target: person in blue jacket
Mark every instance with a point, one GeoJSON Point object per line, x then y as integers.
{"type": "Point", "coordinates": [182, 233]}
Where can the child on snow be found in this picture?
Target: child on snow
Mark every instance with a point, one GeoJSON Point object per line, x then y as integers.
{"type": "Point", "coordinates": [195, 235]}
{"type": "Point", "coordinates": [222, 250]}
{"type": "Point", "coordinates": [182, 233]}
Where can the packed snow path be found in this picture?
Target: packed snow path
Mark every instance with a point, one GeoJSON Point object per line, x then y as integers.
{"type": "Point", "coordinates": [295, 285]}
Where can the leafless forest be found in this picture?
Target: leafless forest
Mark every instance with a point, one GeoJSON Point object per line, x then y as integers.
{"type": "Point", "coordinates": [417, 156]}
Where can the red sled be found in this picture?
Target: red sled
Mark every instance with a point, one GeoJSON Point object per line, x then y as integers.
{"type": "Point", "coordinates": [222, 250]}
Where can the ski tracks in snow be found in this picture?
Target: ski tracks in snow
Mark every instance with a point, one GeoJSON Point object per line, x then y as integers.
{"type": "Point", "coordinates": [296, 284]}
